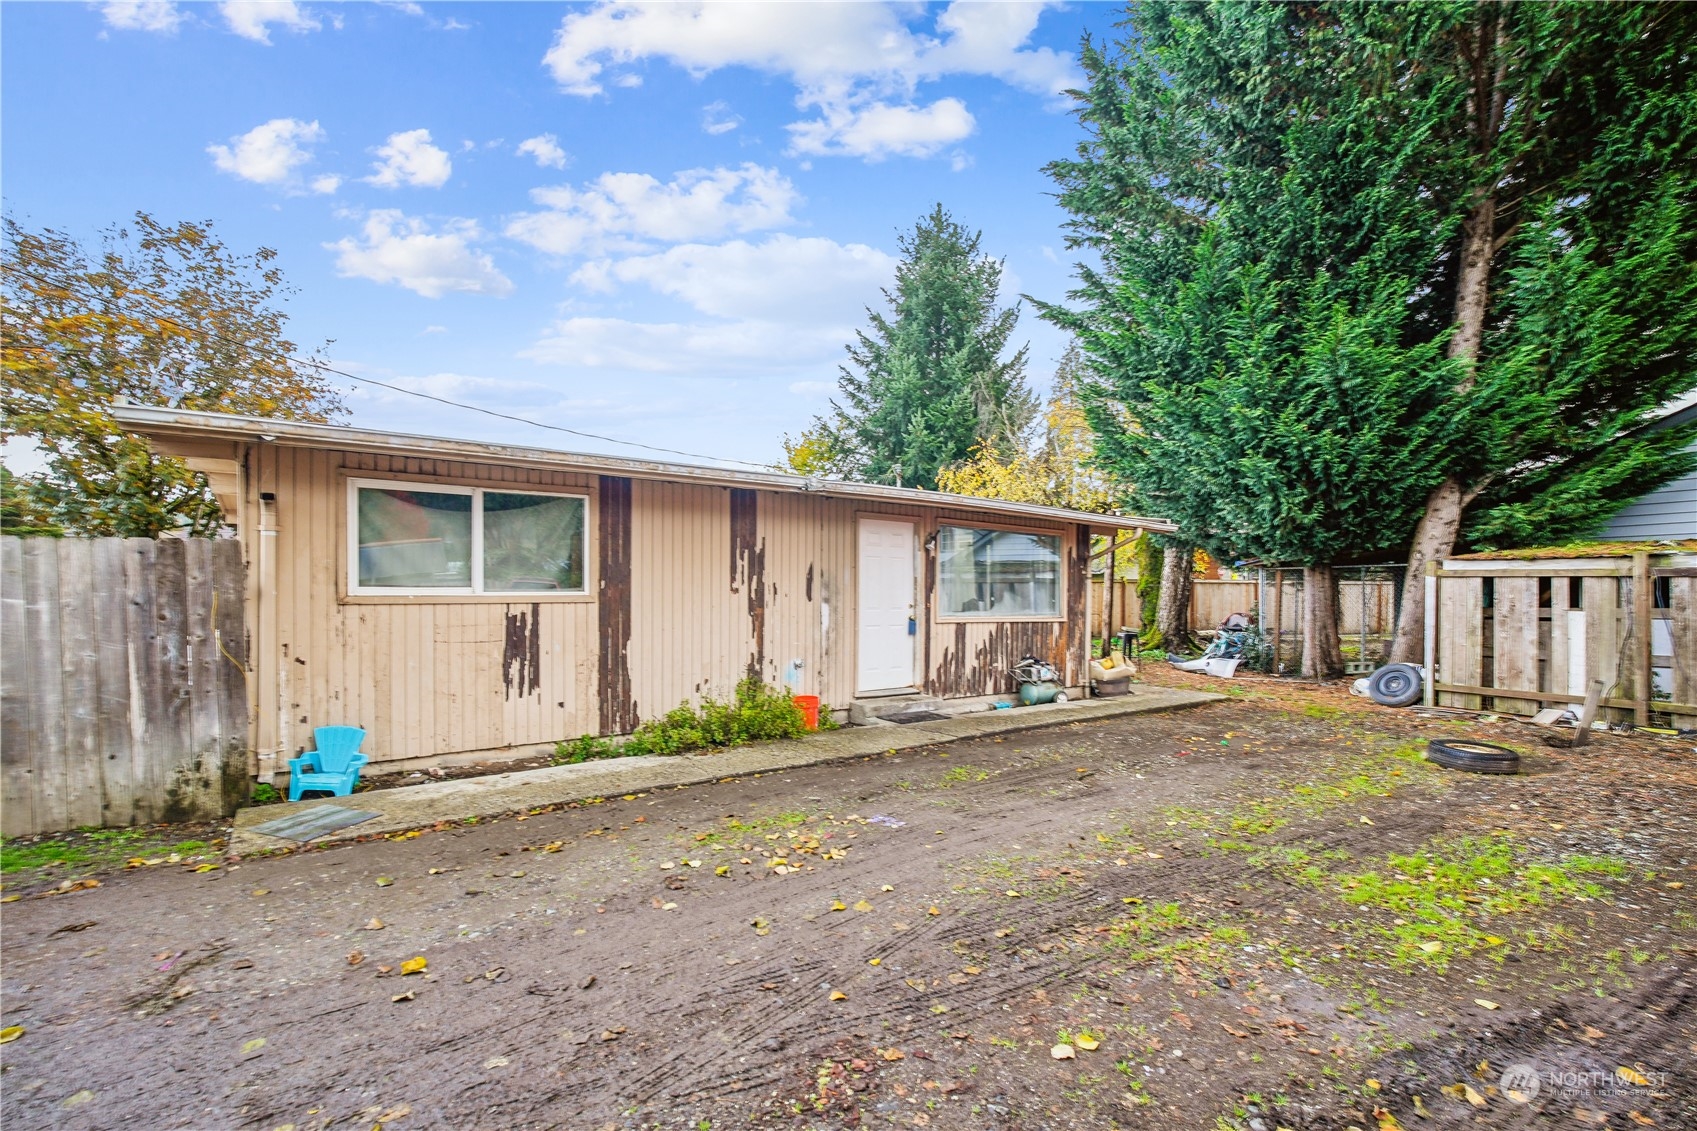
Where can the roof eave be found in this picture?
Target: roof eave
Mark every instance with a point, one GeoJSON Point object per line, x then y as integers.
{"type": "Point", "coordinates": [167, 423]}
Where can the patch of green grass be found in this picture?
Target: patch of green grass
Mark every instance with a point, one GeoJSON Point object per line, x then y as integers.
{"type": "Point", "coordinates": [1445, 900]}
{"type": "Point", "coordinates": [956, 775]}
{"type": "Point", "coordinates": [17, 857]}
{"type": "Point", "coordinates": [92, 850]}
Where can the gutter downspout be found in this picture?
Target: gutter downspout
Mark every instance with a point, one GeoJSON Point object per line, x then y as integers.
{"type": "Point", "coordinates": [271, 754]}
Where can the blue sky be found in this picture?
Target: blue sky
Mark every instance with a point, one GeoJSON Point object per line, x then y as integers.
{"type": "Point", "coordinates": [661, 223]}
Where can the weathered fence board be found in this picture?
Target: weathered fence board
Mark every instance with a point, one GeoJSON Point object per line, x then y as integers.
{"type": "Point", "coordinates": [122, 690]}
{"type": "Point", "coordinates": [1555, 625]}
{"type": "Point", "coordinates": [1360, 603]}
{"type": "Point", "coordinates": [1461, 613]}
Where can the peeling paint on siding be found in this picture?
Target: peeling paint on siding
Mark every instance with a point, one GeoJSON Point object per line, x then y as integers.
{"type": "Point", "coordinates": [979, 656]}
{"type": "Point", "coordinates": [748, 570]}
{"type": "Point", "coordinates": [521, 663]}
{"type": "Point", "coordinates": [618, 707]}
{"type": "Point", "coordinates": [810, 581]}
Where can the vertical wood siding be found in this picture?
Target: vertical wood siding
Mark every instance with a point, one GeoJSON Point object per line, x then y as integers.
{"type": "Point", "coordinates": [425, 676]}
{"type": "Point", "coordinates": [694, 587]}
{"type": "Point", "coordinates": [618, 711]}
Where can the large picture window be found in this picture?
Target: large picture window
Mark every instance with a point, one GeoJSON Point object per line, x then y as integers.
{"type": "Point", "coordinates": [997, 574]}
{"type": "Point", "coordinates": [408, 538]}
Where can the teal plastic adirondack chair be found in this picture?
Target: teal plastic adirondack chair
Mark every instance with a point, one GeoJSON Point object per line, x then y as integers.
{"type": "Point", "coordinates": [333, 767]}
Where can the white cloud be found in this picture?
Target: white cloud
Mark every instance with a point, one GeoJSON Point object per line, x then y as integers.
{"type": "Point", "coordinates": [403, 250]}
{"type": "Point", "coordinates": [696, 348]}
{"type": "Point", "coordinates": [409, 159]}
{"type": "Point", "coordinates": [252, 19]}
{"type": "Point", "coordinates": [623, 210]}
{"type": "Point", "coordinates": [782, 305]}
{"type": "Point", "coordinates": [784, 278]}
{"type": "Point", "coordinates": [326, 184]}
{"type": "Point", "coordinates": [270, 153]}
{"type": "Point", "coordinates": [859, 65]}
{"type": "Point", "coordinates": [881, 130]}
{"type": "Point", "coordinates": [161, 16]}
{"type": "Point", "coordinates": [716, 119]}
{"type": "Point", "coordinates": [546, 149]}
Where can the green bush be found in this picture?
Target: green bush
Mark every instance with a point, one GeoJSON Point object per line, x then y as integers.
{"type": "Point", "coordinates": [757, 713]}
{"type": "Point", "coordinates": [266, 794]}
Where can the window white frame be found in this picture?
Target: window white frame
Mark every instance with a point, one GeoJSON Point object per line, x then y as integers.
{"type": "Point", "coordinates": [475, 589]}
{"type": "Point", "coordinates": [991, 616]}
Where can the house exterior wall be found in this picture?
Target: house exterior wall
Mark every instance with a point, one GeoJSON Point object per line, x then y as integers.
{"type": "Point", "coordinates": [690, 588]}
{"type": "Point", "coordinates": [1670, 511]}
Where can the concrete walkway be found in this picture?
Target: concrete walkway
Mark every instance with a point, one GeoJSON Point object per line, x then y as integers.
{"type": "Point", "coordinates": [416, 806]}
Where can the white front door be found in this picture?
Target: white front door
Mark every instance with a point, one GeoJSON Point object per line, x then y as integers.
{"type": "Point", "coordinates": [886, 605]}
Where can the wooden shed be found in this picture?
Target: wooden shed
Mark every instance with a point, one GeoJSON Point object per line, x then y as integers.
{"type": "Point", "coordinates": [1517, 630]}
{"type": "Point", "coordinates": [462, 601]}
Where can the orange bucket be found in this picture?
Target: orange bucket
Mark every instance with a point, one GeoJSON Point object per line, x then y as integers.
{"type": "Point", "coordinates": [809, 705]}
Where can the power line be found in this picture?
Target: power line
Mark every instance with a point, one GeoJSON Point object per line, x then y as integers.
{"type": "Point", "coordinates": [322, 367]}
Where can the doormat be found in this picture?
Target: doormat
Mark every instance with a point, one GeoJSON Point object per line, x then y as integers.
{"type": "Point", "coordinates": [313, 823]}
{"type": "Point", "coordinates": [916, 717]}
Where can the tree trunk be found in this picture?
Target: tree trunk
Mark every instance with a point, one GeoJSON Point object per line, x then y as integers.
{"type": "Point", "coordinates": [1434, 540]}
{"type": "Point", "coordinates": [1172, 615]}
{"type": "Point", "coordinates": [1322, 650]}
{"type": "Point", "coordinates": [1434, 537]}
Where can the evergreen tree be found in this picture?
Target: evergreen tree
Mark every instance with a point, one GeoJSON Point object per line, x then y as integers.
{"type": "Point", "coordinates": [1284, 200]}
{"type": "Point", "coordinates": [1056, 469]}
{"type": "Point", "coordinates": [1566, 168]}
{"type": "Point", "coordinates": [1259, 375]}
{"type": "Point", "coordinates": [928, 383]}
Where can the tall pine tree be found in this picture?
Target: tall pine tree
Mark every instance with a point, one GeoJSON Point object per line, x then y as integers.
{"type": "Point", "coordinates": [928, 383]}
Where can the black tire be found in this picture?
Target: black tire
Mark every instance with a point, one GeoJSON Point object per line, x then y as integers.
{"type": "Point", "coordinates": [1396, 685]}
{"type": "Point", "coordinates": [1473, 757]}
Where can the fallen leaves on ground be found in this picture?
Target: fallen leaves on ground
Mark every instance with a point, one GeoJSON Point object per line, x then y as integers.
{"type": "Point", "coordinates": [415, 965]}
{"type": "Point", "coordinates": [1463, 1091]}
{"type": "Point", "coordinates": [1062, 1052]}
{"type": "Point", "coordinates": [1485, 1003]}
{"type": "Point", "coordinates": [838, 995]}
{"type": "Point", "coordinates": [11, 1033]}
{"type": "Point", "coordinates": [374, 925]}
{"type": "Point", "coordinates": [356, 957]}
{"type": "Point", "coordinates": [385, 881]}
{"type": "Point", "coordinates": [253, 1046]}
{"type": "Point", "coordinates": [1632, 1076]}
{"type": "Point", "coordinates": [410, 995]}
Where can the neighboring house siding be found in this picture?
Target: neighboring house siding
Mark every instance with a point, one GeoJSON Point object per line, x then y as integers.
{"type": "Point", "coordinates": [1668, 512]}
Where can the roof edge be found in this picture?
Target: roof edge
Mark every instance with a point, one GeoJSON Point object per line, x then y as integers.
{"type": "Point", "coordinates": [187, 424]}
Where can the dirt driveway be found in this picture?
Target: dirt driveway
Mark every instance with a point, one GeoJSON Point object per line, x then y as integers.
{"type": "Point", "coordinates": [1231, 917]}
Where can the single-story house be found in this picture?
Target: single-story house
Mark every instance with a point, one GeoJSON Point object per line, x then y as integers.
{"type": "Point", "coordinates": [463, 601]}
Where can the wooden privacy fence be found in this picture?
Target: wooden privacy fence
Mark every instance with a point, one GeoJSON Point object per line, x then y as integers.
{"type": "Point", "coordinates": [122, 687]}
{"type": "Point", "coordinates": [1371, 602]}
{"type": "Point", "coordinates": [1514, 636]}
